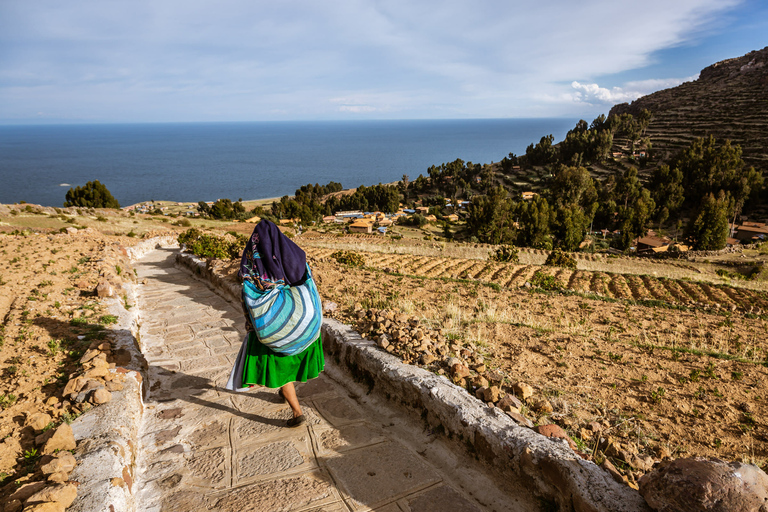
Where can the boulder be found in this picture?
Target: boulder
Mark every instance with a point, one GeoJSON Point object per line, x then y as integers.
{"type": "Point", "coordinates": [705, 485]}
{"type": "Point", "coordinates": [510, 402]}
{"type": "Point", "coordinates": [26, 490]}
{"type": "Point", "coordinates": [46, 506]}
{"type": "Point", "coordinates": [13, 506]}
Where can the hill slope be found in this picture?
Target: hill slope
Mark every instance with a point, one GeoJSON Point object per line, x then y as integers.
{"type": "Point", "coordinates": [729, 100]}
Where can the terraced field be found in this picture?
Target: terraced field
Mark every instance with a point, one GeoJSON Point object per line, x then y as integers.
{"type": "Point", "coordinates": [608, 284]}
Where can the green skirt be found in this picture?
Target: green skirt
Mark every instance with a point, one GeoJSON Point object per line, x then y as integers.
{"type": "Point", "coordinates": [264, 367]}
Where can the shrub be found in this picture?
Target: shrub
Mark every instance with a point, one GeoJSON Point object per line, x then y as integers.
{"type": "Point", "coordinates": [559, 258]}
{"type": "Point", "coordinates": [545, 281]}
{"type": "Point", "coordinates": [505, 253]}
{"type": "Point", "coordinates": [189, 236]}
{"type": "Point", "coordinates": [349, 258]}
{"type": "Point", "coordinates": [212, 246]}
{"type": "Point", "coordinates": [93, 195]}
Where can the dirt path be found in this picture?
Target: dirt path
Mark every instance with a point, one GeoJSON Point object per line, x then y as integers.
{"type": "Point", "coordinates": [203, 448]}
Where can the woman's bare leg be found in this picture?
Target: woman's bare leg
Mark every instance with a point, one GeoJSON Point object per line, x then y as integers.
{"type": "Point", "coordinates": [289, 392]}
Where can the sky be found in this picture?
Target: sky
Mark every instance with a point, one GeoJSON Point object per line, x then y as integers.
{"type": "Point", "coordinates": [94, 61]}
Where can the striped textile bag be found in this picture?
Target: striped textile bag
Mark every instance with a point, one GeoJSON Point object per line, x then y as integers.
{"type": "Point", "coordinates": [287, 319]}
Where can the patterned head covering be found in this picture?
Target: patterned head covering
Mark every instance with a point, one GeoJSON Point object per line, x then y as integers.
{"type": "Point", "coordinates": [271, 256]}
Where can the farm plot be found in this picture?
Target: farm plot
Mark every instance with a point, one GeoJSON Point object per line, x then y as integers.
{"type": "Point", "coordinates": [609, 284]}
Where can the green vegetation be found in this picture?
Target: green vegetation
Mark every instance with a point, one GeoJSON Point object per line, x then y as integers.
{"type": "Point", "coordinates": [92, 195]}
{"type": "Point", "coordinates": [349, 258]}
{"type": "Point", "coordinates": [213, 246]}
{"type": "Point", "coordinates": [558, 258]}
{"type": "Point", "coordinates": [505, 253]}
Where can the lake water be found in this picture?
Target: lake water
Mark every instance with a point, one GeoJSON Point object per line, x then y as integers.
{"type": "Point", "coordinates": [208, 161]}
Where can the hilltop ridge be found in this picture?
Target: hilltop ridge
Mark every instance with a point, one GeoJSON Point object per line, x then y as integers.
{"type": "Point", "coordinates": [729, 100]}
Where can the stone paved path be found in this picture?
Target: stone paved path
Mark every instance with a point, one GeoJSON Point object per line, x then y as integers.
{"type": "Point", "coordinates": [203, 448]}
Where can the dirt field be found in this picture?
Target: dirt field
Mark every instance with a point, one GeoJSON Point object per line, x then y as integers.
{"type": "Point", "coordinates": [666, 367]}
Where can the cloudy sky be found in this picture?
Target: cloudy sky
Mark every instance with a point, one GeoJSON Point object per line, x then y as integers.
{"type": "Point", "coordinates": [252, 60]}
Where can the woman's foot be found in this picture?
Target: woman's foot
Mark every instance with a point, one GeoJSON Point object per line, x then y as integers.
{"type": "Point", "coordinates": [296, 421]}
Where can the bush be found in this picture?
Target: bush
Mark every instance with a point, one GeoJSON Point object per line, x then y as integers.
{"type": "Point", "coordinates": [189, 235]}
{"type": "Point", "coordinates": [349, 258]}
{"type": "Point", "coordinates": [213, 246]}
{"type": "Point", "coordinates": [545, 281]}
{"type": "Point", "coordinates": [505, 253]}
{"type": "Point", "coordinates": [559, 258]}
{"type": "Point", "coordinates": [92, 195]}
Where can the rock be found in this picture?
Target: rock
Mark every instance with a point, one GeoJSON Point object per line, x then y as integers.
{"type": "Point", "coordinates": [121, 357]}
{"type": "Point", "coordinates": [63, 462]}
{"type": "Point", "coordinates": [520, 419]}
{"type": "Point", "coordinates": [479, 368]}
{"type": "Point", "coordinates": [459, 371]}
{"type": "Point", "coordinates": [642, 463]}
{"type": "Point", "coordinates": [12, 506]}
{"type": "Point", "coordinates": [62, 439]}
{"type": "Point", "coordinates": [383, 341]}
{"type": "Point", "coordinates": [523, 390]}
{"type": "Point", "coordinates": [48, 506]}
{"type": "Point", "coordinates": [492, 394]}
{"type": "Point", "coordinates": [95, 373]}
{"type": "Point", "coordinates": [61, 493]}
{"type": "Point", "coordinates": [495, 377]}
{"type": "Point", "coordinates": [89, 354]}
{"type": "Point", "coordinates": [595, 427]}
{"type": "Point", "coordinates": [26, 490]}
{"type": "Point", "coordinates": [479, 381]}
{"type": "Point", "coordinates": [71, 231]}
{"type": "Point", "coordinates": [38, 421]}
{"type": "Point", "coordinates": [510, 401]}
{"type": "Point", "coordinates": [114, 386]}
{"type": "Point", "coordinates": [427, 358]}
{"type": "Point", "coordinates": [608, 466]}
{"type": "Point", "coordinates": [543, 406]}
{"type": "Point", "coordinates": [104, 289]}
{"type": "Point", "coordinates": [330, 307]}
{"type": "Point", "coordinates": [74, 386]}
{"type": "Point", "coordinates": [52, 401]}
{"type": "Point", "coordinates": [58, 478]}
{"type": "Point", "coordinates": [101, 396]}
{"type": "Point", "coordinates": [697, 484]}
{"type": "Point", "coordinates": [555, 431]}
{"type": "Point", "coordinates": [10, 450]}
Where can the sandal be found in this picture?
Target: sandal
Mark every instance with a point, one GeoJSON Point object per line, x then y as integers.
{"type": "Point", "coordinates": [295, 422]}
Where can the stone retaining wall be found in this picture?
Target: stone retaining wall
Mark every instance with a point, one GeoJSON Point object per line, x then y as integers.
{"type": "Point", "coordinates": [107, 436]}
{"type": "Point", "coordinates": [548, 466]}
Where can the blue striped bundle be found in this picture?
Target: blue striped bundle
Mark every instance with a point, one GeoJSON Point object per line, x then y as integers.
{"type": "Point", "coordinates": [287, 318]}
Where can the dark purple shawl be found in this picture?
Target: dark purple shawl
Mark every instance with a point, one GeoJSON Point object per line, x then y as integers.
{"type": "Point", "coordinates": [270, 255]}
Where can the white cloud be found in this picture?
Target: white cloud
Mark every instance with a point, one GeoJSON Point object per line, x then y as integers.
{"type": "Point", "coordinates": [257, 59]}
{"type": "Point", "coordinates": [594, 94]}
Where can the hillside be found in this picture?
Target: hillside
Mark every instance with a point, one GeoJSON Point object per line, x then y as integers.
{"type": "Point", "coordinates": [729, 100]}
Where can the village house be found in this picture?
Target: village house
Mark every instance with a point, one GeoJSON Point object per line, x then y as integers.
{"type": "Point", "coordinates": [452, 217]}
{"type": "Point", "coordinates": [651, 243]}
{"type": "Point", "coordinates": [527, 196]}
{"type": "Point", "coordinates": [750, 232]}
{"type": "Point", "coordinates": [422, 210]}
{"type": "Point", "coordinates": [329, 219]}
{"type": "Point", "coordinates": [431, 218]}
{"type": "Point", "coordinates": [361, 226]}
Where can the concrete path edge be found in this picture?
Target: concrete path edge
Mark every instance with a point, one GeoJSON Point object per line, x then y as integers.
{"type": "Point", "coordinates": [547, 465]}
{"type": "Point", "coordinates": [107, 435]}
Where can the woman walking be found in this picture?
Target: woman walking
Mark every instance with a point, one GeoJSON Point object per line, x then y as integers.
{"type": "Point", "coordinates": [282, 316]}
